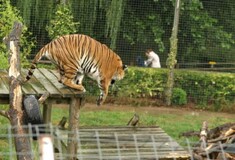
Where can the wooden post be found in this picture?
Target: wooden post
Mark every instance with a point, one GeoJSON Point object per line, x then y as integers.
{"type": "Point", "coordinates": [47, 106]}
{"type": "Point", "coordinates": [74, 107]}
{"type": "Point", "coordinates": [171, 60]}
{"type": "Point", "coordinates": [15, 112]}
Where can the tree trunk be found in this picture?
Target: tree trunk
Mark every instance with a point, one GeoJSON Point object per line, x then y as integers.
{"type": "Point", "coordinates": [15, 112]}
{"type": "Point", "coordinates": [171, 60]}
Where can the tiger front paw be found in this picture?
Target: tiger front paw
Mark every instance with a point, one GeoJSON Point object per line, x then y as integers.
{"type": "Point", "coordinates": [99, 101]}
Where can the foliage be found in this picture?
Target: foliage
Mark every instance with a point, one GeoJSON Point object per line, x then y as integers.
{"type": "Point", "coordinates": [114, 16]}
{"type": "Point", "coordinates": [140, 82]}
{"type": "Point", "coordinates": [62, 22]}
{"type": "Point", "coordinates": [4, 61]}
{"type": "Point", "coordinates": [85, 12]}
{"type": "Point", "coordinates": [143, 28]}
{"type": "Point", "coordinates": [8, 16]}
{"type": "Point", "coordinates": [203, 88]}
{"type": "Point", "coordinates": [199, 31]}
{"type": "Point", "coordinates": [209, 90]}
{"type": "Point", "coordinates": [179, 96]}
{"type": "Point", "coordinates": [206, 28]}
{"type": "Point", "coordinates": [206, 87]}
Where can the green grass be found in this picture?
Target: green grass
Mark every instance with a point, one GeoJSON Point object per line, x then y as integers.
{"type": "Point", "coordinates": [172, 123]}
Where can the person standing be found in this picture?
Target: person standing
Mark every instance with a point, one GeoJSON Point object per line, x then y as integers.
{"type": "Point", "coordinates": [153, 59]}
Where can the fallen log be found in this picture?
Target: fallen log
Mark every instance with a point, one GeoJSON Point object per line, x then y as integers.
{"type": "Point", "coordinates": [216, 143]}
{"type": "Point", "coordinates": [212, 133]}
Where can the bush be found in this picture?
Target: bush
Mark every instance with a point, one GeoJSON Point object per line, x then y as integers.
{"type": "Point", "coordinates": [62, 22]}
{"type": "Point", "coordinates": [179, 96]}
{"type": "Point", "coordinates": [202, 88]}
{"type": "Point", "coordinates": [9, 15]}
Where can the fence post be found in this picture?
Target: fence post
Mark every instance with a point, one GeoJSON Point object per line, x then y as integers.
{"type": "Point", "coordinates": [171, 60]}
{"type": "Point", "coordinates": [15, 112]}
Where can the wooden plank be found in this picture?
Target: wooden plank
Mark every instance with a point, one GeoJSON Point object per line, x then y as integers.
{"type": "Point", "coordinates": [4, 89]}
{"type": "Point", "coordinates": [54, 92]}
{"type": "Point", "coordinates": [76, 93]}
{"type": "Point", "coordinates": [26, 87]}
{"type": "Point", "coordinates": [3, 73]}
{"type": "Point", "coordinates": [5, 81]}
{"type": "Point", "coordinates": [124, 142]}
{"type": "Point", "coordinates": [134, 156]}
{"type": "Point", "coordinates": [64, 91]}
{"type": "Point", "coordinates": [34, 84]}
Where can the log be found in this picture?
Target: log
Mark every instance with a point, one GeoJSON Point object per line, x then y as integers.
{"type": "Point", "coordinates": [203, 135]}
{"type": "Point", "coordinates": [15, 112]}
{"type": "Point", "coordinates": [217, 143]}
{"type": "Point", "coordinates": [212, 133]}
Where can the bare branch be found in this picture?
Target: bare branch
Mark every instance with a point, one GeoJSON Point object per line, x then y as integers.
{"type": "Point", "coordinates": [43, 97]}
{"type": "Point", "coordinates": [5, 114]}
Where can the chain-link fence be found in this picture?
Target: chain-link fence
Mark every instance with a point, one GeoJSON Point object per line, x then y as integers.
{"type": "Point", "coordinates": [111, 143]}
{"type": "Point", "coordinates": [206, 28]}
{"type": "Point", "coordinates": [205, 37]}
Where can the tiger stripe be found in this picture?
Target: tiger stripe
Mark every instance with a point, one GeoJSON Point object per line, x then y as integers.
{"type": "Point", "coordinates": [77, 55]}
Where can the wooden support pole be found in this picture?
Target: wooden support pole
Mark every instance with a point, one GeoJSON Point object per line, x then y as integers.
{"type": "Point", "coordinates": [47, 106]}
{"type": "Point", "coordinates": [74, 107]}
{"type": "Point", "coordinates": [15, 112]}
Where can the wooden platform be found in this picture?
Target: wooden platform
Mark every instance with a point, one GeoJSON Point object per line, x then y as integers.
{"type": "Point", "coordinates": [43, 81]}
{"type": "Point", "coordinates": [125, 143]}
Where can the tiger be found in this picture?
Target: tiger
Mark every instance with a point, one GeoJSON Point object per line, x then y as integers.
{"type": "Point", "coordinates": [76, 55]}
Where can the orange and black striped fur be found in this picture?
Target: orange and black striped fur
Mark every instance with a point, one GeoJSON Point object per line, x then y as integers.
{"type": "Point", "coordinates": [78, 55]}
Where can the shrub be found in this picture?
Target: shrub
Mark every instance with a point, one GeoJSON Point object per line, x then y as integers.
{"type": "Point", "coordinates": [62, 23]}
{"type": "Point", "coordinates": [9, 15]}
{"type": "Point", "coordinates": [179, 96]}
{"type": "Point", "coordinates": [202, 88]}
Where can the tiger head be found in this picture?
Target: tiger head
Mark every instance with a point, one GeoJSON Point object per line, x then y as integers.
{"type": "Point", "coordinates": [119, 73]}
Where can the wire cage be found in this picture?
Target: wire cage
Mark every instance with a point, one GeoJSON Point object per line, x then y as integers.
{"type": "Point", "coordinates": [110, 143]}
{"type": "Point", "coordinates": [206, 32]}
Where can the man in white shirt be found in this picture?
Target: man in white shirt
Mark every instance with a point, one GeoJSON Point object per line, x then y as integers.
{"type": "Point", "coordinates": [153, 59]}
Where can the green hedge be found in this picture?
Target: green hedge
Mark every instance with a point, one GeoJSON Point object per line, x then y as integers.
{"type": "Point", "coordinates": [201, 87]}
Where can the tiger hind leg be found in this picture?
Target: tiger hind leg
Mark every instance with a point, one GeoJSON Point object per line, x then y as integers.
{"type": "Point", "coordinates": [61, 75]}
{"type": "Point", "coordinates": [78, 79]}
{"type": "Point", "coordinates": [68, 80]}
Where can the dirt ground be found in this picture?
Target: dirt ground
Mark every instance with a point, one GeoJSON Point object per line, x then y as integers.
{"type": "Point", "coordinates": [155, 110]}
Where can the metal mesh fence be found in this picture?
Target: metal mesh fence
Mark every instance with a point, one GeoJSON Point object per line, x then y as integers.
{"type": "Point", "coordinates": [129, 27]}
{"type": "Point", "coordinates": [115, 142]}
{"type": "Point", "coordinates": [205, 39]}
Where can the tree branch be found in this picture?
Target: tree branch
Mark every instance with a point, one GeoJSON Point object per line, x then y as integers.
{"type": "Point", "coordinates": [4, 114]}
{"type": "Point", "coordinates": [43, 97]}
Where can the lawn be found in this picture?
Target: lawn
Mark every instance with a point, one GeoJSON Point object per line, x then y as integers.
{"type": "Point", "coordinates": [173, 121]}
